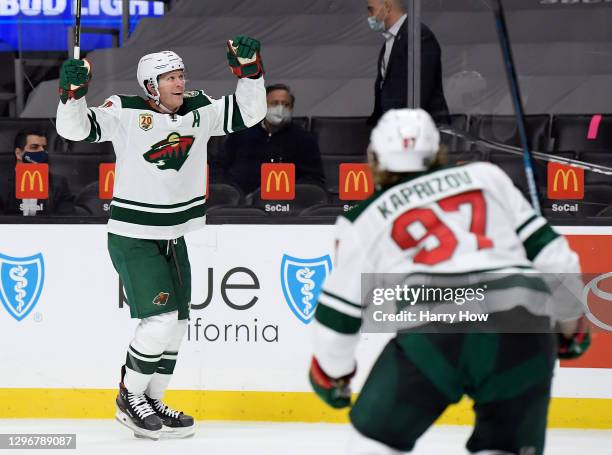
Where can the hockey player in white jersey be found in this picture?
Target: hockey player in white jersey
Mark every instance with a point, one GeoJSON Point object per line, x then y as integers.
{"type": "Point", "coordinates": [439, 222]}
{"type": "Point", "coordinates": [160, 180]}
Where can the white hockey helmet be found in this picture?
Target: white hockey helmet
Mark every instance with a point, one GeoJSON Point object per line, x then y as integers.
{"type": "Point", "coordinates": [405, 140]}
{"type": "Point", "coordinates": [152, 65]}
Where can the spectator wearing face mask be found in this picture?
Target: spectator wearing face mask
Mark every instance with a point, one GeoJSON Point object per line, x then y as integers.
{"type": "Point", "coordinates": [389, 17]}
{"type": "Point", "coordinates": [31, 148]}
{"type": "Point", "coordinates": [277, 139]}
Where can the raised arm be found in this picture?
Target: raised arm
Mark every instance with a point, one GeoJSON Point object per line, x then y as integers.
{"type": "Point", "coordinates": [247, 106]}
{"type": "Point", "coordinates": [77, 122]}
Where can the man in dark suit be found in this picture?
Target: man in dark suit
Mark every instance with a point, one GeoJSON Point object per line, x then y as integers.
{"type": "Point", "coordinates": [31, 148]}
{"type": "Point", "coordinates": [390, 90]}
{"type": "Point", "coordinates": [277, 139]}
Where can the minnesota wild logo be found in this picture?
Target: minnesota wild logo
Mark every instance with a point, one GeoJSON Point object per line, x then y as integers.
{"type": "Point", "coordinates": [161, 299]}
{"type": "Point", "coordinates": [170, 153]}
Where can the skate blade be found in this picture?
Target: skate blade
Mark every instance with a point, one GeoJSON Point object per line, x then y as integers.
{"type": "Point", "coordinates": [170, 435]}
{"type": "Point", "coordinates": [177, 433]}
{"type": "Point", "coordinates": [140, 433]}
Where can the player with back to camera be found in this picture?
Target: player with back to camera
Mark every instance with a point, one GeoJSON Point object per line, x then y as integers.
{"type": "Point", "coordinates": [417, 225]}
{"type": "Point", "coordinates": [160, 145]}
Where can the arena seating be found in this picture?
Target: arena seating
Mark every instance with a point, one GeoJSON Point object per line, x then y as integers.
{"type": "Point", "coordinates": [503, 129]}
{"type": "Point", "coordinates": [341, 140]}
{"type": "Point", "coordinates": [221, 194]}
{"type": "Point", "coordinates": [582, 133]}
{"type": "Point", "coordinates": [345, 140]}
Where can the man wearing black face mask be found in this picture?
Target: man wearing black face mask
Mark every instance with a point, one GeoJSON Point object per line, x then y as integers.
{"type": "Point", "coordinates": [277, 139]}
{"type": "Point", "coordinates": [31, 148]}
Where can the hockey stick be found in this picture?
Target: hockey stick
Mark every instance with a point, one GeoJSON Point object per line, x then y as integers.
{"type": "Point", "coordinates": [77, 32]}
{"type": "Point", "coordinates": [605, 170]}
{"type": "Point", "coordinates": [504, 41]}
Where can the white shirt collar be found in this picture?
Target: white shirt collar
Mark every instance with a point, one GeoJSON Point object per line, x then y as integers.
{"type": "Point", "coordinates": [394, 30]}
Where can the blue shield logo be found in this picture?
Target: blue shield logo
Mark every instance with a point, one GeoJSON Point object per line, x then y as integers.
{"type": "Point", "coordinates": [301, 281]}
{"type": "Point", "coordinates": [21, 283]}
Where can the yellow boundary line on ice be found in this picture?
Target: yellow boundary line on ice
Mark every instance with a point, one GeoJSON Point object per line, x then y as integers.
{"type": "Point", "coordinates": [592, 413]}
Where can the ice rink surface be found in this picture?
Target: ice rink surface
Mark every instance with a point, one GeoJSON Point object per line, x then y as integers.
{"type": "Point", "coordinates": [250, 438]}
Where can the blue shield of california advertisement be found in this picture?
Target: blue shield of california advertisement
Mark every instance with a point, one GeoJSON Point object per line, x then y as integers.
{"type": "Point", "coordinates": [21, 283]}
{"type": "Point", "coordinates": [301, 282]}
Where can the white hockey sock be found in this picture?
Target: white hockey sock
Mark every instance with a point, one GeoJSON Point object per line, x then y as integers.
{"type": "Point", "coordinates": [165, 368]}
{"type": "Point", "coordinates": [145, 352]}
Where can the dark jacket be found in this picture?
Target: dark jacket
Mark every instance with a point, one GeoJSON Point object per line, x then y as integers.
{"type": "Point", "coordinates": [239, 160]}
{"type": "Point", "coordinates": [392, 92]}
{"type": "Point", "coordinates": [60, 202]}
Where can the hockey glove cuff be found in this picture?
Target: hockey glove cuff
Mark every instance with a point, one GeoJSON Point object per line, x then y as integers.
{"type": "Point", "coordinates": [572, 348]}
{"type": "Point", "coordinates": [336, 392]}
{"type": "Point", "coordinates": [74, 79]}
{"type": "Point", "coordinates": [244, 58]}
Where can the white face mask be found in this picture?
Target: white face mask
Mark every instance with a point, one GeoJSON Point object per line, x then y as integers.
{"type": "Point", "coordinates": [375, 24]}
{"type": "Point", "coordinates": [278, 115]}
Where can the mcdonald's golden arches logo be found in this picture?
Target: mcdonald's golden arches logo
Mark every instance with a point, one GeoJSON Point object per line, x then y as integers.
{"type": "Point", "coordinates": [106, 180]}
{"type": "Point", "coordinates": [355, 182]}
{"type": "Point", "coordinates": [565, 182]}
{"type": "Point", "coordinates": [278, 181]}
{"type": "Point", "coordinates": [32, 181]}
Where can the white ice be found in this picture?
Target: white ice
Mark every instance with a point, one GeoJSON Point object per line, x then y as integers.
{"type": "Point", "coordinates": [250, 438]}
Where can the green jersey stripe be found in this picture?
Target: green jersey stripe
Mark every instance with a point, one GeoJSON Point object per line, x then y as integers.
{"type": "Point", "coordinates": [237, 121]}
{"type": "Point", "coordinates": [192, 102]}
{"type": "Point", "coordinates": [148, 356]}
{"type": "Point", "coordinates": [336, 320]}
{"type": "Point", "coordinates": [156, 219]}
{"type": "Point", "coordinates": [98, 129]}
{"type": "Point", "coordinates": [526, 223]}
{"type": "Point", "coordinates": [135, 102]}
{"type": "Point", "coordinates": [159, 206]}
{"type": "Point", "coordinates": [538, 240]}
{"type": "Point", "coordinates": [94, 128]}
{"type": "Point", "coordinates": [342, 299]}
{"type": "Point", "coordinates": [339, 306]}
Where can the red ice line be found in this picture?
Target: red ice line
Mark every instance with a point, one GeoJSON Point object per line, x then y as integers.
{"type": "Point", "coordinates": [594, 127]}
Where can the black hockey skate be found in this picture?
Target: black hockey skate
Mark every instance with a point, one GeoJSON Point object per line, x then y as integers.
{"type": "Point", "coordinates": [176, 424]}
{"type": "Point", "coordinates": [135, 412]}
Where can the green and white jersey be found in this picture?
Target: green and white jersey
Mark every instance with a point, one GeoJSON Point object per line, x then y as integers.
{"type": "Point", "coordinates": [161, 165]}
{"type": "Point", "coordinates": [464, 220]}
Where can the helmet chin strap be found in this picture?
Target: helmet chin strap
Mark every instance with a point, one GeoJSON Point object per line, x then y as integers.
{"type": "Point", "coordinates": [163, 108]}
{"type": "Point", "coordinates": [157, 99]}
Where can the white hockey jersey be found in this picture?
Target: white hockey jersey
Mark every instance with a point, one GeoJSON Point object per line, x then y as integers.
{"type": "Point", "coordinates": [161, 159]}
{"type": "Point", "coordinates": [464, 220]}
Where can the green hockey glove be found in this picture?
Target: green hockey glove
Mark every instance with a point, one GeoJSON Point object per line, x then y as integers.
{"type": "Point", "coordinates": [74, 79]}
{"type": "Point", "coordinates": [244, 57]}
{"type": "Point", "coordinates": [336, 392]}
{"type": "Point", "coordinates": [574, 347]}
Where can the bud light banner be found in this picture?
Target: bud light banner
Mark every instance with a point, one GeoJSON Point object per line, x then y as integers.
{"type": "Point", "coordinates": [42, 25]}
